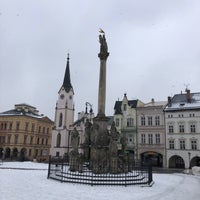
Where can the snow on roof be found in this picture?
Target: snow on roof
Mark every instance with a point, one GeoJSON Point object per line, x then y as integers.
{"type": "Point", "coordinates": [156, 103]}
{"type": "Point", "coordinates": [180, 102]}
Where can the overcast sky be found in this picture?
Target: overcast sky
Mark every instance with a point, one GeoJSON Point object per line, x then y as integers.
{"type": "Point", "coordinates": [154, 50]}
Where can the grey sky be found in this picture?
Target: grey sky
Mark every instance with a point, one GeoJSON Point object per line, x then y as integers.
{"type": "Point", "coordinates": [154, 50]}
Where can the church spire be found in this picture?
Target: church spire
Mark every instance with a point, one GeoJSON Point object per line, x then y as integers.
{"type": "Point", "coordinates": [67, 81]}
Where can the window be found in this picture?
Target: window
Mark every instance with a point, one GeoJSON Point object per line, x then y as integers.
{"type": "Point", "coordinates": [42, 141]}
{"type": "Point", "coordinates": [117, 122]}
{"type": "Point", "coordinates": [46, 141]}
{"type": "Point", "coordinates": [192, 128]}
{"type": "Point", "coordinates": [149, 121]}
{"type": "Point", "coordinates": [171, 144]}
{"type": "Point", "coordinates": [57, 154]}
{"type": "Point", "coordinates": [125, 107]}
{"type": "Point", "coordinates": [1, 126]}
{"type": "Point", "coordinates": [38, 141]}
{"type": "Point", "coordinates": [143, 139]}
{"type": "Point", "coordinates": [171, 128]}
{"type": "Point", "coordinates": [193, 144]}
{"type": "Point", "coordinates": [181, 128]}
{"type": "Point", "coordinates": [39, 129]}
{"type": "Point", "coordinates": [157, 138]}
{"type": "Point", "coordinates": [143, 121]}
{"type": "Point", "coordinates": [31, 140]}
{"type": "Point", "coordinates": [157, 120]}
{"type": "Point", "coordinates": [36, 152]}
{"type": "Point", "coordinates": [26, 126]}
{"type": "Point", "coordinates": [60, 119]}
{"type": "Point", "coordinates": [25, 139]}
{"type": "Point", "coordinates": [129, 122]}
{"type": "Point", "coordinates": [29, 153]}
{"type": "Point", "coordinates": [5, 126]}
{"type": "Point", "coordinates": [16, 139]}
{"type": "Point", "coordinates": [33, 128]}
{"type": "Point", "coordinates": [58, 140]}
{"type": "Point", "coordinates": [17, 126]}
{"type": "Point", "coordinates": [9, 139]}
{"type": "Point", "coordinates": [150, 138]}
{"type": "Point", "coordinates": [182, 144]}
{"type": "Point", "coordinates": [2, 139]}
{"type": "Point", "coordinates": [47, 130]}
{"type": "Point", "coordinates": [43, 130]}
{"type": "Point", "coordinates": [10, 126]}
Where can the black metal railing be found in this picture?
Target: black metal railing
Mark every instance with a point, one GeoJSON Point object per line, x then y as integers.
{"type": "Point", "coordinates": [98, 173]}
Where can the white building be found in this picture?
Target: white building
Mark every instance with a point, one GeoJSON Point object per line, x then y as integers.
{"type": "Point", "coordinates": [64, 117]}
{"type": "Point", "coordinates": [182, 123]}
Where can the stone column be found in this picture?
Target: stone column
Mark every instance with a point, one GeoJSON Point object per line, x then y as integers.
{"type": "Point", "coordinates": [103, 55]}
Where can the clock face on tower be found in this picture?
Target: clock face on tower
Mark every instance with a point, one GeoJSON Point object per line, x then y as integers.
{"type": "Point", "coordinates": [62, 96]}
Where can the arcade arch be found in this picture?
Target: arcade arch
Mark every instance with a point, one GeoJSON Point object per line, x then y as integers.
{"type": "Point", "coordinates": [176, 162]}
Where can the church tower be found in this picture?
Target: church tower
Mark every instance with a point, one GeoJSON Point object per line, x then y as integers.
{"type": "Point", "coordinates": [64, 116]}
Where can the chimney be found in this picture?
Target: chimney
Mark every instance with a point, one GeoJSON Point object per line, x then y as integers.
{"type": "Point", "coordinates": [169, 101]}
{"type": "Point", "coordinates": [188, 96]}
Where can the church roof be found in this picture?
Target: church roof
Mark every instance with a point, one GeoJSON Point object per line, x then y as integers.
{"type": "Point", "coordinates": [67, 81]}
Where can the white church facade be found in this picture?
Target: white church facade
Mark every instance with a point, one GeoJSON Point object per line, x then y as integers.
{"type": "Point", "coordinates": [64, 117]}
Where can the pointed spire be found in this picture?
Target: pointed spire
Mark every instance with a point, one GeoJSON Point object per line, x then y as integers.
{"type": "Point", "coordinates": [67, 82]}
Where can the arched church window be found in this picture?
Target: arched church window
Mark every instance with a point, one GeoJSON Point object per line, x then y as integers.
{"type": "Point", "coordinates": [58, 140]}
{"type": "Point", "coordinates": [60, 119]}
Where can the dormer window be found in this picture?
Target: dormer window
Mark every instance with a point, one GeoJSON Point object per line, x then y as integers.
{"type": "Point", "coordinates": [62, 96]}
{"type": "Point", "coordinates": [125, 107]}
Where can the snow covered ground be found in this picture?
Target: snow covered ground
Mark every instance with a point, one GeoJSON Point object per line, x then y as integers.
{"type": "Point", "coordinates": [18, 183]}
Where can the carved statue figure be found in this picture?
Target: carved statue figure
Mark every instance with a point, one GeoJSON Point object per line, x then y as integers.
{"type": "Point", "coordinates": [75, 140]}
{"type": "Point", "coordinates": [88, 127]}
{"type": "Point", "coordinates": [103, 44]}
{"type": "Point", "coordinates": [113, 132]}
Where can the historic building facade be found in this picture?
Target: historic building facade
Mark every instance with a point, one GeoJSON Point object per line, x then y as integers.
{"type": "Point", "coordinates": [64, 117]}
{"type": "Point", "coordinates": [182, 122]}
{"type": "Point", "coordinates": [126, 123]}
{"type": "Point", "coordinates": [151, 133]}
{"type": "Point", "coordinates": [24, 134]}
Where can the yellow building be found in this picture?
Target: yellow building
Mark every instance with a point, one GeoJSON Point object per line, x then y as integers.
{"type": "Point", "coordinates": [24, 134]}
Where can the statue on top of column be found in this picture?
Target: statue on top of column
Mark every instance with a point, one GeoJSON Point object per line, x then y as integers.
{"type": "Point", "coordinates": [103, 43]}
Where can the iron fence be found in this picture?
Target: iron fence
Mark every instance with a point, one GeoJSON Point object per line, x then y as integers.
{"type": "Point", "coordinates": [88, 173]}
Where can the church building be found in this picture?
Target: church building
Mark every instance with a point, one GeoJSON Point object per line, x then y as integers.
{"type": "Point", "coordinates": [64, 117]}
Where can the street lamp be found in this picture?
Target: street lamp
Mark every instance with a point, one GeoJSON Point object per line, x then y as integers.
{"type": "Point", "coordinates": [189, 154]}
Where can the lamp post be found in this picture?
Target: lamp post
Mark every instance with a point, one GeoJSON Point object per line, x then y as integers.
{"type": "Point", "coordinates": [68, 143]}
{"type": "Point", "coordinates": [189, 154]}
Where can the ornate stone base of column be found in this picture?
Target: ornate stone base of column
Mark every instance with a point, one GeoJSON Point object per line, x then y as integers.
{"type": "Point", "coordinates": [114, 165]}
